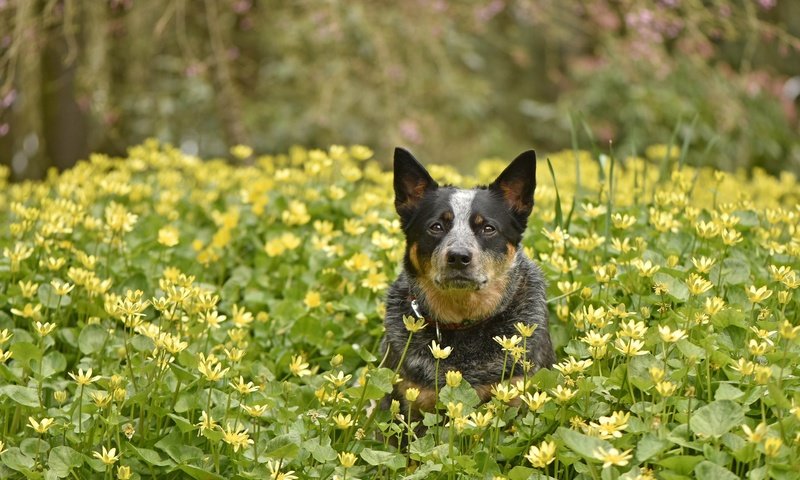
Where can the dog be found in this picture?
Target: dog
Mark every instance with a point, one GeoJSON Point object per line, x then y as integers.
{"type": "Point", "coordinates": [465, 273]}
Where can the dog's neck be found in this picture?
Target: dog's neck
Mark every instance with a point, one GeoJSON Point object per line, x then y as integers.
{"type": "Point", "coordinates": [454, 309]}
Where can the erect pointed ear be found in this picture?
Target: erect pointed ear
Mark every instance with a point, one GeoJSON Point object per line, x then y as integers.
{"type": "Point", "coordinates": [517, 183]}
{"type": "Point", "coordinates": [411, 182]}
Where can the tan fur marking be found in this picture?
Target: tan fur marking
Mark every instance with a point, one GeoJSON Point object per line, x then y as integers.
{"type": "Point", "coordinates": [447, 216]}
{"type": "Point", "coordinates": [455, 306]}
{"type": "Point", "coordinates": [412, 255]}
{"type": "Point", "coordinates": [459, 305]}
{"type": "Point", "coordinates": [426, 399]}
{"type": "Point", "coordinates": [478, 219]}
{"type": "Point", "coordinates": [416, 192]}
{"type": "Point", "coordinates": [511, 195]}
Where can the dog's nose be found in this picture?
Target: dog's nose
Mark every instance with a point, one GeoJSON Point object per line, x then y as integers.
{"type": "Point", "coordinates": [459, 258]}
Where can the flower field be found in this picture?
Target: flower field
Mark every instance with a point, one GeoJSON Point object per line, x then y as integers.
{"type": "Point", "coordinates": [164, 317]}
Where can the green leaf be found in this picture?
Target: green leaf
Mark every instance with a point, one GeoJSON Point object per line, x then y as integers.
{"type": "Point", "coordinates": [683, 464]}
{"type": "Point", "coordinates": [150, 457]}
{"type": "Point", "coordinates": [182, 424]}
{"type": "Point", "coordinates": [726, 391]}
{"type": "Point", "coordinates": [649, 446]}
{"type": "Point", "coordinates": [62, 460]}
{"type": "Point", "coordinates": [92, 339]}
{"type": "Point", "coordinates": [283, 446]}
{"type": "Point", "coordinates": [199, 473]}
{"type": "Point", "coordinates": [581, 444]}
{"type": "Point", "coordinates": [26, 396]}
{"type": "Point", "coordinates": [14, 459]}
{"type": "Point", "coordinates": [53, 362]}
{"type": "Point", "coordinates": [24, 352]}
{"type": "Point", "coordinates": [49, 298]}
{"type": "Point", "coordinates": [320, 449]}
{"type": "Point", "coordinates": [716, 418]}
{"type": "Point", "coordinates": [706, 470]}
{"type": "Point", "coordinates": [394, 461]}
{"type": "Point", "coordinates": [735, 271]}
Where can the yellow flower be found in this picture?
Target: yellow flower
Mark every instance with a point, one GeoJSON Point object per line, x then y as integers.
{"type": "Point", "coordinates": [773, 446]}
{"type": "Point", "coordinates": [339, 379]}
{"type": "Point", "coordinates": [412, 393]}
{"type": "Point", "coordinates": [455, 410]}
{"type": "Point", "coordinates": [28, 311]}
{"type": "Point", "coordinates": [622, 221]}
{"type": "Point", "coordinates": [124, 472]}
{"type": "Point", "coordinates": [645, 268]}
{"type": "Point", "coordinates": [236, 438]}
{"type": "Point", "coordinates": [525, 329]}
{"type": "Point", "coordinates": [412, 324]}
{"type": "Point", "coordinates": [713, 305]}
{"type": "Point", "coordinates": [572, 366]}
{"type": "Point", "coordinates": [61, 288]}
{"type": "Point", "coordinates": [107, 456]}
{"type": "Point", "coordinates": [482, 420]}
{"type": "Point", "coordinates": [206, 423]}
{"type": "Point", "coordinates": [612, 456]}
{"type": "Point", "coordinates": [438, 352]}
{"type": "Point", "coordinates": [212, 372]}
{"type": "Point", "coordinates": [543, 455]}
{"type": "Point", "coordinates": [745, 367]}
{"type": "Point", "coordinates": [100, 398]}
{"type": "Point", "coordinates": [697, 284]}
{"type": "Point", "coordinates": [312, 299]}
{"type": "Point", "coordinates": [343, 421]}
{"type": "Point", "coordinates": [631, 348]}
{"type": "Point", "coordinates": [299, 366]}
{"type": "Point", "coordinates": [758, 295]}
{"type": "Point", "coordinates": [347, 459]}
{"type": "Point", "coordinates": [375, 281]}
{"type": "Point", "coordinates": [536, 400]}
{"type": "Point", "coordinates": [168, 236]}
{"type": "Point", "coordinates": [787, 330]}
{"type": "Point", "coordinates": [453, 378]}
{"type": "Point", "coordinates": [43, 329]}
{"type": "Point", "coordinates": [28, 289]}
{"type": "Point", "coordinates": [275, 472]}
{"type": "Point", "coordinates": [244, 388]}
{"type": "Point", "coordinates": [241, 152]}
{"type": "Point", "coordinates": [504, 393]}
{"type": "Point", "coordinates": [670, 336]}
{"type": "Point", "coordinates": [255, 410]}
{"type": "Point", "coordinates": [360, 152]}
{"type": "Point", "coordinates": [656, 374]}
{"type": "Point", "coordinates": [508, 344]}
{"type": "Point", "coordinates": [41, 426]}
{"type": "Point", "coordinates": [703, 264]}
{"type": "Point", "coordinates": [632, 329]}
{"type": "Point", "coordinates": [666, 388]}
{"type": "Point", "coordinates": [762, 374]}
{"type": "Point", "coordinates": [562, 394]}
{"type": "Point", "coordinates": [84, 379]}
{"type": "Point", "coordinates": [755, 436]}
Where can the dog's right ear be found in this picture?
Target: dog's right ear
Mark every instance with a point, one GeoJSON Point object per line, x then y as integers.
{"type": "Point", "coordinates": [411, 182]}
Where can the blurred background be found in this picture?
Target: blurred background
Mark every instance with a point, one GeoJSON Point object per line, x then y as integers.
{"type": "Point", "coordinates": [454, 81]}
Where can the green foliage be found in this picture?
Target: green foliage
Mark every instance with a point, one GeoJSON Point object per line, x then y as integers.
{"type": "Point", "coordinates": [163, 317]}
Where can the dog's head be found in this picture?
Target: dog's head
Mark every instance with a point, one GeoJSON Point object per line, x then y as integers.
{"type": "Point", "coordinates": [461, 240]}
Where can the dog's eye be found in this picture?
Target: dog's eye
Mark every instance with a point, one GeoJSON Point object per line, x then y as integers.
{"type": "Point", "coordinates": [488, 229]}
{"type": "Point", "coordinates": [436, 228]}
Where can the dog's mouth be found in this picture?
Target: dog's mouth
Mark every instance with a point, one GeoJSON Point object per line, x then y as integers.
{"type": "Point", "coordinates": [460, 281]}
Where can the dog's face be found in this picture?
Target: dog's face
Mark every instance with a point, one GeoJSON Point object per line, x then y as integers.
{"type": "Point", "coordinates": [461, 240]}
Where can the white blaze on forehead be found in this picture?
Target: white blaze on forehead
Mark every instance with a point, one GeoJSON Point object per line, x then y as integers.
{"type": "Point", "coordinates": [461, 233]}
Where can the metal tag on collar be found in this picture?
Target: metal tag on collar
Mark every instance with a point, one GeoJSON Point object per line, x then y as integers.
{"type": "Point", "coordinates": [415, 308]}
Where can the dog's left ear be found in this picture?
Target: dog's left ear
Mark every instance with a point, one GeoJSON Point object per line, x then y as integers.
{"type": "Point", "coordinates": [517, 183]}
